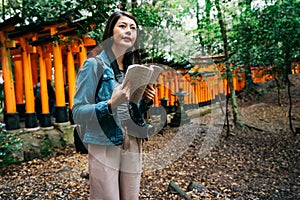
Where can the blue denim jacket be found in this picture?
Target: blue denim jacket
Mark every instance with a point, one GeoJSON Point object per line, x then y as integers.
{"type": "Point", "coordinates": [90, 110]}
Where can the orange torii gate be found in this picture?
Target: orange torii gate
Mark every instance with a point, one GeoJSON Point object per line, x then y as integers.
{"type": "Point", "coordinates": [34, 51]}
{"type": "Point", "coordinates": [32, 58]}
{"type": "Point", "coordinates": [11, 116]}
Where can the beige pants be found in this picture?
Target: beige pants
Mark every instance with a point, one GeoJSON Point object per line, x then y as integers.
{"type": "Point", "coordinates": [115, 171]}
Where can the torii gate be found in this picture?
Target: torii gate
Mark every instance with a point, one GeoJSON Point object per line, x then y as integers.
{"type": "Point", "coordinates": [39, 43]}
{"type": "Point", "coordinates": [11, 117]}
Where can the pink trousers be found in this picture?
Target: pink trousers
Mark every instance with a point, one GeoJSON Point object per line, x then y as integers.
{"type": "Point", "coordinates": [115, 171]}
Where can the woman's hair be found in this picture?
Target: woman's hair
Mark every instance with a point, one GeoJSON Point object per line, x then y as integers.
{"type": "Point", "coordinates": [132, 54]}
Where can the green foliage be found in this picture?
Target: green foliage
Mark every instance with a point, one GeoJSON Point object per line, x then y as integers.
{"type": "Point", "coordinates": [63, 141]}
{"type": "Point", "coordinates": [160, 15]}
{"type": "Point", "coordinates": [160, 24]}
{"type": "Point", "coordinates": [10, 144]}
{"type": "Point", "coordinates": [46, 147]}
{"type": "Point", "coordinates": [148, 15]}
{"type": "Point", "coordinates": [54, 11]}
{"type": "Point", "coordinates": [207, 34]}
{"type": "Point", "coordinates": [268, 36]}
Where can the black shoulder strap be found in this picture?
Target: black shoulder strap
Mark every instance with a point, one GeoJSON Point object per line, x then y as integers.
{"type": "Point", "coordinates": [101, 72]}
{"type": "Point", "coordinates": [114, 64]}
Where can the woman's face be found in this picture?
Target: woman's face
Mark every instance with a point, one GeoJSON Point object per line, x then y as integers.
{"type": "Point", "coordinates": [124, 33]}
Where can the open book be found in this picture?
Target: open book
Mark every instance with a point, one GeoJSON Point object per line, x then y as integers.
{"type": "Point", "coordinates": [138, 77]}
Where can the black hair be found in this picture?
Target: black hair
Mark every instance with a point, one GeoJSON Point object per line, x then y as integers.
{"type": "Point", "coordinates": [132, 54]}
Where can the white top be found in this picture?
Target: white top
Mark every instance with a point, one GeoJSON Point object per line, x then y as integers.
{"type": "Point", "coordinates": [122, 109]}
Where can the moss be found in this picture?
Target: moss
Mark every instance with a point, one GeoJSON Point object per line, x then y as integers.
{"type": "Point", "coordinates": [10, 147]}
{"type": "Point", "coordinates": [46, 147]}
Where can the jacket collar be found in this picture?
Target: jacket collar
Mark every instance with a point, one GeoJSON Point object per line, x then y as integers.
{"type": "Point", "coordinates": [103, 56]}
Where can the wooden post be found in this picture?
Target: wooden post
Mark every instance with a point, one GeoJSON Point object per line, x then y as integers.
{"type": "Point", "coordinates": [197, 91]}
{"type": "Point", "coordinates": [34, 68]}
{"type": "Point", "coordinates": [166, 94]}
{"type": "Point", "coordinates": [71, 77]}
{"type": "Point", "coordinates": [156, 96]}
{"type": "Point", "coordinates": [161, 86]}
{"type": "Point", "coordinates": [209, 88]}
{"type": "Point", "coordinates": [82, 54]}
{"type": "Point", "coordinates": [19, 85]}
{"type": "Point", "coordinates": [30, 115]}
{"type": "Point", "coordinates": [47, 52]}
{"type": "Point", "coordinates": [11, 117]}
{"type": "Point", "coordinates": [60, 109]}
{"type": "Point", "coordinates": [173, 83]}
{"type": "Point", "coordinates": [193, 92]}
{"type": "Point", "coordinates": [19, 80]}
{"type": "Point", "coordinates": [203, 96]}
{"type": "Point", "coordinates": [172, 91]}
{"type": "Point", "coordinates": [175, 75]}
{"type": "Point", "coordinates": [45, 118]}
{"type": "Point", "coordinates": [43, 82]}
{"type": "Point", "coordinates": [33, 62]}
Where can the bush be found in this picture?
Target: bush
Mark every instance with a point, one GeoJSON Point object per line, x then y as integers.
{"type": "Point", "coordinates": [10, 145]}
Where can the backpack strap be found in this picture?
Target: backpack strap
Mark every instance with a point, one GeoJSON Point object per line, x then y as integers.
{"type": "Point", "coordinates": [114, 65]}
{"type": "Point", "coordinates": [101, 74]}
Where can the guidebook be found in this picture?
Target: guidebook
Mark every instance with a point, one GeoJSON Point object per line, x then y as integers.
{"type": "Point", "coordinates": [138, 77]}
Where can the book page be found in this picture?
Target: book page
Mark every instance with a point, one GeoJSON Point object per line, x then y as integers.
{"type": "Point", "coordinates": [156, 72]}
{"type": "Point", "coordinates": [137, 77]}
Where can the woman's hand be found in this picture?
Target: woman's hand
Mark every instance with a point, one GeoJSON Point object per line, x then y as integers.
{"type": "Point", "coordinates": [149, 93]}
{"type": "Point", "coordinates": [118, 97]}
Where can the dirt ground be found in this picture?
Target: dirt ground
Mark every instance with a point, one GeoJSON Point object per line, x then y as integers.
{"type": "Point", "coordinates": [261, 161]}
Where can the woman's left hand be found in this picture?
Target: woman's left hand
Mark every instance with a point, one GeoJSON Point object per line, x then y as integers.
{"type": "Point", "coordinates": [149, 93]}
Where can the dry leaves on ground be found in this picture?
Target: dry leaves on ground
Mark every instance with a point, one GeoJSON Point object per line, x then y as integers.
{"type": "Point", "coordinates": [252, 164]}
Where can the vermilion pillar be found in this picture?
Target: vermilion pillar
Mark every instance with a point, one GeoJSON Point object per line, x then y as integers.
{"type": "Point", "coordinates": [60, 109]}
{"type": "Point", "coordinates": [82, 54]}
{"type": "Point", "coordinates": [160, 87]}
{"type": "Point", "coordinates": [19, 85]}
{"type": "Point", "coordinates": [30, 115]}
{"type": "Point", "coordinates": [173, 87]}
{"type": "Point", "coordinates": [48, 63]}
{"type": "Point", "coordinates": [71, 77]}
{"type": "Point", "coordinates": [45, 119]}
{"type": "Point", "coordinates": [156, 100]}
{"type": "Point", "coordinates": [34, 68]}
{"type": "Point", "coordinates": [71, 81]}
{"type": "Point", "coordinates": [11, 117]}
{"type": "Point", "coordinates": [198, 91]}
{"type": "Point", "coordinates": [166, 92]}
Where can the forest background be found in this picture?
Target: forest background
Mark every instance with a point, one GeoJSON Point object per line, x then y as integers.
{"type": "Point", "coordinates": [246, 32]}
{"type": "Point", "coordinates": [258, 163]}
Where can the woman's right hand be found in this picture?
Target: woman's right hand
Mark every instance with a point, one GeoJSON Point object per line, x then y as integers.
{"type": "Point", "coordinates": [118, 97]}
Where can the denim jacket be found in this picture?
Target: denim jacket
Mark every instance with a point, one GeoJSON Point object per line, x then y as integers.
{"type": "Point", "coordinates": [90, 110]}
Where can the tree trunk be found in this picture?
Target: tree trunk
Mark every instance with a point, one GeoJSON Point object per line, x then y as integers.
{"type": "Point", "coordinates": [291, 106]}
{"type": "Point", "coordinates": [199, 27]}
{"type": "Point", "coordinates": [249, 81]}
{"type": "Point", "coordinates": [133, 4]}
{"type": "Point", "coordinates": [3, 11]}
{"type": "Point", "coordinates": [279, 101]}
{"type": "Point", "coordinates": [236, 118]}
{"type": "Point", "coordinates": [227, 109]}
{"type": "Point", "coordinates": [288, 65]}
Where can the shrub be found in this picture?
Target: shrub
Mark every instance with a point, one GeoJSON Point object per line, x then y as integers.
{"type": "Point", "coordinates": [10, 145]}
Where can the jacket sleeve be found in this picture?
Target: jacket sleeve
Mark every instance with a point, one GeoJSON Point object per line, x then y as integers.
{"type": "Point", "coordinates": [84, 108]}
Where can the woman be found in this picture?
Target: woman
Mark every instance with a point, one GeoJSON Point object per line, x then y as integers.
{"type": "Point", "coordinates": [101, 107]}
